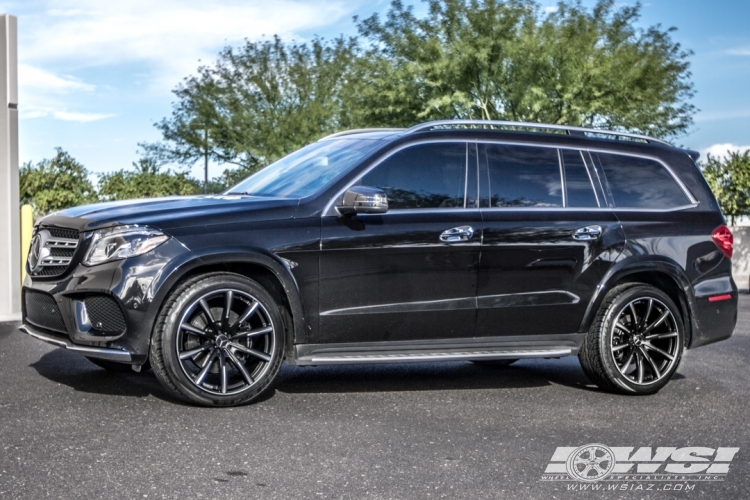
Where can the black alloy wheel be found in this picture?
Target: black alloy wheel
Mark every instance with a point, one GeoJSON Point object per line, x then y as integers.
{"type": "Point", "coordinates": [220, 340]}
{"type": "Point", "coordinates": [636, 341]}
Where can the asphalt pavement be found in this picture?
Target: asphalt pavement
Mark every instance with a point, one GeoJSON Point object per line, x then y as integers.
{"type": "Point", "coordinates": [69, 429]}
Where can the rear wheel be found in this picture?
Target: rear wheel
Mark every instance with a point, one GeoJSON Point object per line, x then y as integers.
{"type": "Point", "coordinates": [636, 341]}
{"type": "Point", "coordinates": [219, 340]}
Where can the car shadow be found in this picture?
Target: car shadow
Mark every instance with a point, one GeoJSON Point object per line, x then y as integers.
{"type": "Point", "coordinates": [462, 375]}
{"type": "Point", "coordinates": [81, 375]}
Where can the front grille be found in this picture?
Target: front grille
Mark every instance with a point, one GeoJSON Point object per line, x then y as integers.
{"type": "Point", "coordinates": [52, 251]}
{"type": "Point", "coordinates": [41, 310]}
{"type": "Point", "coordinates": [104, 314]}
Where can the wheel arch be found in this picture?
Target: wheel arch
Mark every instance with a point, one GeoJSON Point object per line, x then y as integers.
{"type": "Point", "coordinates": [665, 275]}
{"type": "Point", "coordinates": [264, 267]}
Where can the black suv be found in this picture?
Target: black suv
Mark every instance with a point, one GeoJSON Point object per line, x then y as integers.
{"type": "Point", "coordinates": [456, 240]}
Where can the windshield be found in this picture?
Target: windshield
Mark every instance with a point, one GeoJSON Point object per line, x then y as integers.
{"type": "Point", "coordinates": [307, 170]}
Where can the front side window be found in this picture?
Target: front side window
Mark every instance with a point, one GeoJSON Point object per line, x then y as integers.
{"type": "Point", "coordinates": [640, 183]}
{"type": "Point", "coordinates": [423, 176]}
{"type": "Point", "coordinates": [523, 176]}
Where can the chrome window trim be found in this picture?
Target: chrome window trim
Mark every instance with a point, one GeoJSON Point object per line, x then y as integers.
{"type": "Point", "coordinates": [328, 211]}
{"type": "Point", "coordinates": [563, 180]}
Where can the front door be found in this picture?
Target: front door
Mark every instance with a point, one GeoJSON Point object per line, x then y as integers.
{"type": "Point", "coordinates": [548, 240]}
{"type": "Point", "coordinates": [398, 276]}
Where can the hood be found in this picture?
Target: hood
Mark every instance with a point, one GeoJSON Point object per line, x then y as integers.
{"type": "Point", "coordinates": [174, 212]}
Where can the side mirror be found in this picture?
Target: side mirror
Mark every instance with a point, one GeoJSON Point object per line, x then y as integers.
{"type": "Point", "coordinates": [364, 200]}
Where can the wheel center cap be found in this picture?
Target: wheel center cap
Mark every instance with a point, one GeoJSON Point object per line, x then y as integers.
{"type": "Point", "coordinates": [637, 340]}
{"type": "Point", "coordinates": [222, 341]}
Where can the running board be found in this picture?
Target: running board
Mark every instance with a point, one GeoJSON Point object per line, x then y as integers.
{"type": "Point", "coordinates": [546, 346]}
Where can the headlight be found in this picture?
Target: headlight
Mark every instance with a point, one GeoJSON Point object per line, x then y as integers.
{"type": "Point", "coordinates": [122, 242]}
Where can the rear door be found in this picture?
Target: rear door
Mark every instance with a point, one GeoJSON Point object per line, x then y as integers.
{"type": "Point", "coordinates": [548, 239]}
{"type": "Point", "coordinates": [404, 275]}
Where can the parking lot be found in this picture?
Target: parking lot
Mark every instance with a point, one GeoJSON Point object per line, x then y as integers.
{"type": "Point", "coordinates": [452, 430]}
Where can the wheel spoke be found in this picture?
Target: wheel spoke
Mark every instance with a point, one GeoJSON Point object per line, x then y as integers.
{"type": "Point", "coordinates": [252, 333]}
{"type": "Point", "coordinates": [245, 316]}
{"type": "Point", "coordinates": [647, 345]}
{"type": "Point", "coordinates": [209, 317]}
{"type": "Point", "coordinates": [247, 350]}
{"type": "Point", "coordinates": [189, 354]}
{"type": "Point", "coordinates": [240, 367]}
{"type": "Point", "coordinates": [651, 362]}
{"type": "Point", "coordinates": [639, 367]}
{"type": "Point", "coordinates": [644, 319]}
{"type": "Point", "coordinates": [192, 329]}
{"type": "Point", "coordinates": [617, 348]}
{"type": "Point", "coordinates": [223, 372]}
{"type": "Point", "coordinates": [658, 322]}
{"type": "Point", "coordinates": [627, 363]}
{"type": "Point", "coordinates": [661, 336]}
{"type": "Point", "coordinates": [228, 298]}
{"type": "Point", "coordinates": [202, 375]}
{"type": "Point", "coordinates": [635, 316]}
{"type": "Point", "coordinates": [623, 328]}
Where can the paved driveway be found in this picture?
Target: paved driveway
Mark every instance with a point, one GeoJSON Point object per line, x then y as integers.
{"type": "Point", "coordinates": [69, 429]}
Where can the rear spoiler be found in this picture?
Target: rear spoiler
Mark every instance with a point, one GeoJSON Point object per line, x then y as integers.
{"type": "Point", "coordinates": [693, 154]}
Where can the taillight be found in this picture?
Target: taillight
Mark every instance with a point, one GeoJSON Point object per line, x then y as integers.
{"type": "Point", "coordinates": [724, 240]}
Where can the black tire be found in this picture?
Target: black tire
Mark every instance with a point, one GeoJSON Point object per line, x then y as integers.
{"type": "Point", "coordinates": [227, 363]}
{"type": "Point", "coordinates": [636, 341]}
{"type": "Point", "coordinates": [494, 363]}
{"type": "Point", "coordinates": [114, 366]}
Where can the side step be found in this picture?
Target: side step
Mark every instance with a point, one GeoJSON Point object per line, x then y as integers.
{"type": "Point", "coordinates": [543, 346]}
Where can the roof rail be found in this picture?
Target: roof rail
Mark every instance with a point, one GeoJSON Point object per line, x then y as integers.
{"type": "Point", "coordinates": [361, 131]}
{"type": "Point", "coordinates": [443, 124]}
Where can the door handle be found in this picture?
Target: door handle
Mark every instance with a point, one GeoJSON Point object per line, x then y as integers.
{"type": "Point", "coordinates": [588, 233]}
{"type": "Point", "coordinates": [457, 234]}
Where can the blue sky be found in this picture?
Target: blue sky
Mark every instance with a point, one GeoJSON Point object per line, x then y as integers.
{"type": "Point", "coordinates": [95, 76]}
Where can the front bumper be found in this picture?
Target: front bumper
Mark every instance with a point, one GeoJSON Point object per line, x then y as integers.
{"type": "Point", "coordinates": [118, 355]}
{"type": "Point", "coordinates": [130, 290]}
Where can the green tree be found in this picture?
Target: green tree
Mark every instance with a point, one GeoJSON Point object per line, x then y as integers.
{"type": "Point", "coordinates": [256, 104]}
{"type": "Point", "coordinates": [55, 184]}
{"type": "Point", "coordinates": [146, 181]}
{"type": "Point", "coordinates": [729, 179]}
{"type": "Point", "coordinates": [509, 60]}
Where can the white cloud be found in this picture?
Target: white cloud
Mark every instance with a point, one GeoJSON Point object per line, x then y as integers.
{"type": "Point", "coordinates": [550, 9]}
{"type": "Point", "coordinates": [31, 77]}
{"type": "Point", "coordinates": [171, 34]}
{"type": "Point", "coordinates": [163, 40]}
{"type": "Point", "coordinates": [720, 150]}
{"type": "Point", "coordinates": [69, 116]}
{"type": "Point", "coordinates": [740, 51]}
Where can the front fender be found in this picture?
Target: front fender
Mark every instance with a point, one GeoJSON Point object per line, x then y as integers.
{"type": "Point", "coordinates": [188, 263]}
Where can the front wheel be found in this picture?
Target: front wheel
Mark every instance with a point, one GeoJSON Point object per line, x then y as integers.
{"type": "Point", "coordinates": [219, 340]}
{"type": "Point", "coordinates": [636, 341]}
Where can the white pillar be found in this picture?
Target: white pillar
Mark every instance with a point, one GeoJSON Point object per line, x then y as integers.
{"type": "Point", "coordinates": [10, 231]}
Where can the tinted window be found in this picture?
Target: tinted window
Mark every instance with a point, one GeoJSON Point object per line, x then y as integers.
{"type": "Point", "coordinates": [422, 176]}
{"type": "Point", "coordinates": [523, 176]}
{"type": "Point", "coordinates": [640, 183]}
{"type": "Point", "coordinates": [580, 191]}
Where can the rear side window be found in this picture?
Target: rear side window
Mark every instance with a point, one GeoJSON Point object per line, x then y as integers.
{"type": "Point", "coordinates": [523, 176]}
{"type": "Point", "coordinates": [422, 176]}
{"type": "Point", "coordinates": [640, 183]}
{"type": "Point", "coordinates": [578, 183]}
